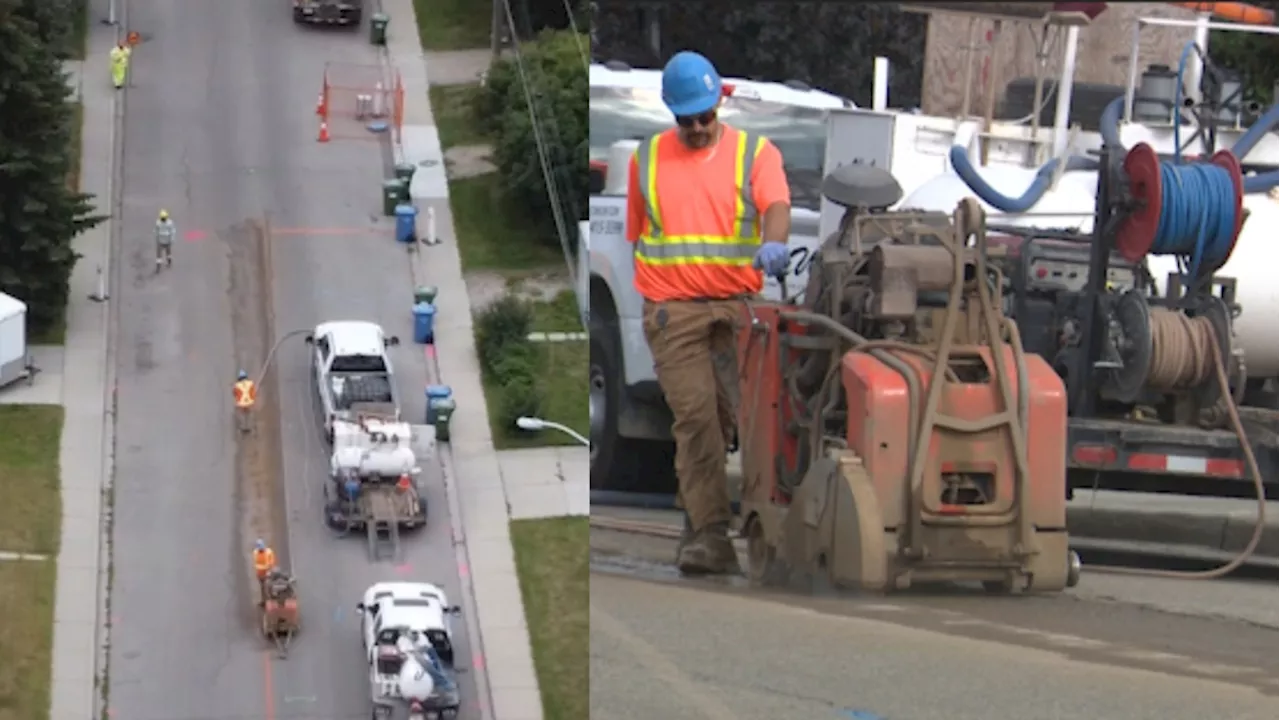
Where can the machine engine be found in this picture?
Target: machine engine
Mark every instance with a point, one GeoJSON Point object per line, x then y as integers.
{"type": "Point", "coordinates": [894, 431]}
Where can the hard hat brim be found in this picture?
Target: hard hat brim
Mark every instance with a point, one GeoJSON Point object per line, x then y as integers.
{"type": "Point", "coordinates": [693, 107]}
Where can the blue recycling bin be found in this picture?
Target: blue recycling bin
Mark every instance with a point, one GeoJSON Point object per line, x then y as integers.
{"type": "Point", "coordinates": [406, 223]}
{"type": "Point", "coordinates": [424, 322]}
{"type": "Point", "coordinates": [436, 393]}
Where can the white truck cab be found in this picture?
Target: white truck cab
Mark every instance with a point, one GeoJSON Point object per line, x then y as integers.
{"type": "Point", "coordinates": [630, 422]}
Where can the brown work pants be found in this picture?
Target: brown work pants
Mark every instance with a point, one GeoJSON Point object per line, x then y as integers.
{"type": "Point", "coordinates": [695, 356]}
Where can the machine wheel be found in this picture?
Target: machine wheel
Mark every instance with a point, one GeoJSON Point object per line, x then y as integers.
{"type": "Point", "coordinates": [764, 567]}
{"type": "Point", "coordinates": [298, 17]}
{"type": "Point", "coordinates": [1073, 568]}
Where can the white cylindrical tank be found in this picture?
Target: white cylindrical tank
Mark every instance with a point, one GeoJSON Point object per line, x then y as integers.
{"type": "Point", "coordinates": [1253, 264]}
{"type": "Point", "coordinates": [1067, 207]}
{"type": "Point", "coordinates": [382, 461]}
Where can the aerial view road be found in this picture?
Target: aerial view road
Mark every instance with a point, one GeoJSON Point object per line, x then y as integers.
{"type": "Point", "coordinates": [1113, 647]}
{"type": "Point", "coordinates": [276, 233]}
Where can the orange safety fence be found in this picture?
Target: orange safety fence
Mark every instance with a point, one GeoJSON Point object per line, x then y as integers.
{"type": "Point", "coordinates": [360, 102]}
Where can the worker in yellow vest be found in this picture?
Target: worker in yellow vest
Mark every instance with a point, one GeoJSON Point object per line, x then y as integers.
{"type": "Point", "coordinates": [120, 64]}
{"type": "Point", "coordinates": [246, 394]}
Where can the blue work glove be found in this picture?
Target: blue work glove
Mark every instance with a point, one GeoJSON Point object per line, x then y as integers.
{"type": "Point", "coordinates": [772, 258]}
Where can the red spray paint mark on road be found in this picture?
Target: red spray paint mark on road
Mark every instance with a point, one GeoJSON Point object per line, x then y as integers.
{"type": "Point", "coordinates": [404, 569]}
{"type": "Point", "coordinates": [194, 235]}
{"type": "Point", "coordinates": [463, 570]}
{"type": "Point", "coordinates": [478, 663]}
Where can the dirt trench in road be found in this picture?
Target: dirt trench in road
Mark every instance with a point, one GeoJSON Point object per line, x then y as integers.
{"type": "Point", "coordinates": [260, 497]}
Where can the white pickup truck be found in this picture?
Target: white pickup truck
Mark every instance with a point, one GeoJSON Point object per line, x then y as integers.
{"type": "Point", "coordinates": [352, 373]}
{"type": "Point", "coordinates": [631, 446]}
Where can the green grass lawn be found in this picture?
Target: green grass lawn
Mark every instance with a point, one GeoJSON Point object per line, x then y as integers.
{"type": "Point", "coordinates": [563, 378]}
{"type": "Point", "coordinates": [31, 514]}
{"type": "Point", "coordinates": [453, 24]}
{"type": "Point", "coordinates": [26, 637]}
{"type": "Point", "coordinates": [491, 236]}
{"type": "Point", "coordinates": [451, 107]}
{"type": "Point", "coordinates": [552, 560]}
{"type": "Point", "coordinates": [558, 315]}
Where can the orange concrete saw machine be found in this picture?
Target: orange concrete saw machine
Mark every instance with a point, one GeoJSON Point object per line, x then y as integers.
{"type": "Point", "coordinates": [894, 433]}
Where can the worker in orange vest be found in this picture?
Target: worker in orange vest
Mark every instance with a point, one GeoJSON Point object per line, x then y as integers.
{"type": "Point", "coordinates": [246, 394]}
{"type": "Point", "coordinates": [708, 209]}
{"type": "Point", "coordinates": [264, 561]}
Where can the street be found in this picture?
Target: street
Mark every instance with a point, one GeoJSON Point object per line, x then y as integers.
{"type": "Point", "coordinates": [220, 130]}
{"type": "Point", "coordinates": [1113, 647]}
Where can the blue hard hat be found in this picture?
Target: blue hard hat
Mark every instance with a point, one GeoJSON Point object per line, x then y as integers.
{"type": "Point", "coordinates": [260, 545]}
{"type": "Point", "coordinates": [242, 375]}
{"type": "Point", "coordinates": [690, 84]}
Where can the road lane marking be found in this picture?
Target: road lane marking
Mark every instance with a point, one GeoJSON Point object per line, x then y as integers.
{"type": "Point", "coordinates": [328, 231]}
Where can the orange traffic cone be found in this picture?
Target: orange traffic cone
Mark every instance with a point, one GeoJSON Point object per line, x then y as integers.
{"type": "Point", "coordinates": [320, 104]}
{"type": "Point", "coordinates": [324, 132]}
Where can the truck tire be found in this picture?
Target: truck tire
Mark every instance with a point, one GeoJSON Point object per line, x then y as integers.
{"type": "Point", "coordinates": [617, 463]}
{"type": "Point", "coordinates": [604, 385]}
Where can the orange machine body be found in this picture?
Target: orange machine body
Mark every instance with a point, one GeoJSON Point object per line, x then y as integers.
{"type": "Point", "coordinates": [765, 448]}
{"type": "Point", "coordinates": [282, 613]}
{"type": "Point", "coordinates": [878, 431]}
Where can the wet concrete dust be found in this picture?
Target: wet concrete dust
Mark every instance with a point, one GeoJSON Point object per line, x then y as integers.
{"type": "Point", "coordinates": [1099, 633]}
{"type": "Point", "coordinates": [259, 463]}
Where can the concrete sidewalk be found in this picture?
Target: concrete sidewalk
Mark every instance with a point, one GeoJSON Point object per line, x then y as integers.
{"type": "Point", "coordinates": [86, 436]}
{"type": "Point", "coordinates": [546, 482]}
{"type": "Point", "coordinates": [473, 475]}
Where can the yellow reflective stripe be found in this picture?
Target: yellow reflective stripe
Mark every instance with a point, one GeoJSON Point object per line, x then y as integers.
{"type": "Point", "coordinates": [734, 252]}
{"type": "Point", "coordinates": [713, 261]}
{"type": "Point", "coordinates": [749, 146]}
{"type": "Point", "coordinates": [647, 165]}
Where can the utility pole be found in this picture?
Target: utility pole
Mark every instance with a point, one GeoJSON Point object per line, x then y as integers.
{"type": "Point", "coordinates": [495, 29]}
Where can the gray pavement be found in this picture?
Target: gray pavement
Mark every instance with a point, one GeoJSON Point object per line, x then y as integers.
{"type": "Point", "coordinates": [665, 649]}
{"type": "Point", "coordinates": [221, 132]}
{"type": "Point", "coordinates": [85, 382]}
{"type": "Point", "coordinates": [498, 619]}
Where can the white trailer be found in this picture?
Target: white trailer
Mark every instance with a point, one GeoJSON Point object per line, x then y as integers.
{"type": "Point", "coordinates": [14, 365]}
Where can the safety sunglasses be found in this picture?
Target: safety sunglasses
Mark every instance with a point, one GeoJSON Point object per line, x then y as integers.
{"type": "Point", "coordinates": [704, 119]}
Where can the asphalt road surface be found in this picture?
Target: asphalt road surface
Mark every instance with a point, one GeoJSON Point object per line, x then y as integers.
{"type": "Point", "coordinates": [1114, 647]}
{"type": "Point", "coordinates": [220, 130]}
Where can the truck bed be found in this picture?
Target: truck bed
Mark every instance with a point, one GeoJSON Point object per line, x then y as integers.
{"type": "Point", "coordinates": [348, 390]}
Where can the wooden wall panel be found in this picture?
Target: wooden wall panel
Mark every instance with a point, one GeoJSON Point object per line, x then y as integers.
{"type": "Point", "coordinates": [1103, 56]}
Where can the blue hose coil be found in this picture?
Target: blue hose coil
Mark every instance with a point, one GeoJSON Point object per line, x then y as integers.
{"type": "Point", "coordinates": [1197, 216]}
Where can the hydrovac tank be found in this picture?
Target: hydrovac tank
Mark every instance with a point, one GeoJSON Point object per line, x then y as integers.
{"type": "Point", "coordinates": [1070, 205]}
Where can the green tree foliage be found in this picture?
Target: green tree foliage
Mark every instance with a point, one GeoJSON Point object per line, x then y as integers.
{"type": "Point", "coordinates": [54, 22]}
{"type": "Point", "coordinates": [1252, 55]}
{"type": "Point", "coordinates": [534, 16]}
{"type": "Point", "coordinates": [39, 214]}
{"type": "Point", "coordinates": [551, 72]}
{"type": "Point", "coordinates": [830, 45]}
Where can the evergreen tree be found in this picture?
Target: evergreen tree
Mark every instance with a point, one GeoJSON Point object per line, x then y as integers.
{"type": "Point", "coordinates": [39, 214]}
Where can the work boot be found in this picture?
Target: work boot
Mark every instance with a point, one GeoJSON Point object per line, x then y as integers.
{"type": "Point", "coordinates": [686, 534]}
{"type": "Point", "coordinates": [709, 552]}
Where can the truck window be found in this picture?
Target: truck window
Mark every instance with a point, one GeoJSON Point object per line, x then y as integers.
{"type": "Point", "coordinates": [800, 133]}
{"type": "Point", "coordinates": [358, 364]}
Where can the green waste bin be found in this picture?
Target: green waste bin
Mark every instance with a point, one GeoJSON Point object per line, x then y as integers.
{"type": "Point", "coordinates": [392, 194]}
{"type": "Point", "coordinates": [443, 408]}
{"type": "Point", "coordinates": [378, 29]}
{"type": "Point", "coordinates": [404, 173]}
{"type": "Point", "coordinates": [425, 294]}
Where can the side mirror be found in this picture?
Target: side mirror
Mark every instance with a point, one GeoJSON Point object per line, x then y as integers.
{"type": "Point", "coordinates": [310, 339]}
{"type": "Point", "coordinates": [453, 610]}
{"type": "Point", "coordinates": [360, 607]}
{"type": "Point", "coordinates": [392, 341]}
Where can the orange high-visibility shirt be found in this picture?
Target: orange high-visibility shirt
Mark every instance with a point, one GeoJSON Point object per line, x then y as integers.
{"type": "Point", "coordinates": [263, 561]}
{"type": "Point", "coordinates": [245, 393]}
{"type": "Point", "coordinates": [695, 215]}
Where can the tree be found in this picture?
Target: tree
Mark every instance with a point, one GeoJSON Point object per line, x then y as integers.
{"type": "Point", "coordinates": [39, 214]}
{"type": "Point", "coordinates": [829, 45]}
{"type": "Point", "coordinates": [550, 70]}
{"type": "Point", "coordinates": [1254, 56]}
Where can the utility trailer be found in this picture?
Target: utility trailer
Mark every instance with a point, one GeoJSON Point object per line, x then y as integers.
{"type": "Point", "coordinates": [373, 483]}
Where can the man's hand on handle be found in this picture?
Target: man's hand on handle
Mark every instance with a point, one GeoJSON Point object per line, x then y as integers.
{"type": "Point", "coordinates": [772, 258]}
